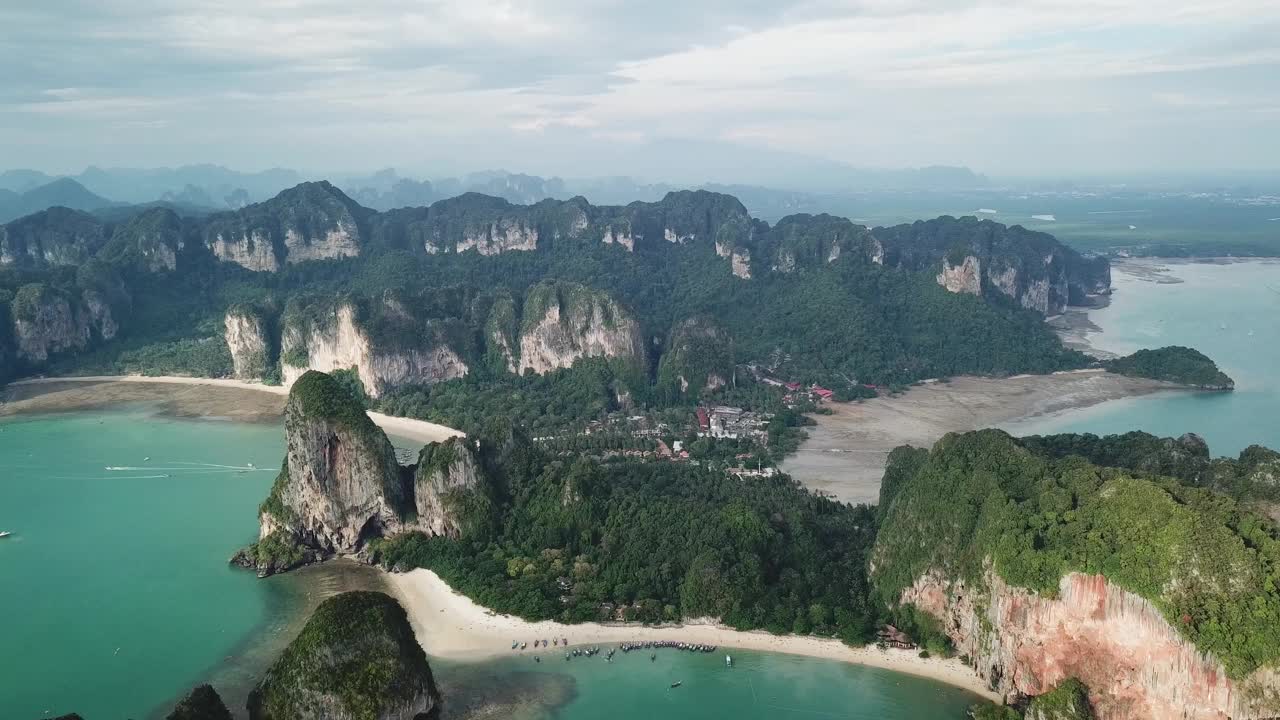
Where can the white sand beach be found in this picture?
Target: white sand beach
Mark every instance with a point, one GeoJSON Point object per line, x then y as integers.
{"type": "Point", "coordinates": [187, 396]}
{"type": "Point", "coordinates": [449, 625]}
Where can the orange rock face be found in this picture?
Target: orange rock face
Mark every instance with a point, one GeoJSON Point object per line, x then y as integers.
{"type": "Point", "coordinates": [1135, 663]}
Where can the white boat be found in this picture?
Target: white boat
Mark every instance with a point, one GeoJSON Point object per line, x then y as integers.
{"type": "Point", "coordinates": [5, 534]}
{"type": "Point", "coordinates": [728, 661]}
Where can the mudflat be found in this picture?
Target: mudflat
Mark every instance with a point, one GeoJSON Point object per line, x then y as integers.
{"type": "Point", "coordinates": [171, 399]}
{"type": "Point", "coordinates": [844, 456]}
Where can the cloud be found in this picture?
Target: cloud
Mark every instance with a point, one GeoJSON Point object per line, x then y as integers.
{"type": "Point", "coordinates": [870, 82]}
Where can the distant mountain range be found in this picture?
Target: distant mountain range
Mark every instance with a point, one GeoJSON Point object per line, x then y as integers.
{"type": "Point", "coordinates": [63, 192]}
{"type": "Point", "coordinates": [213, 187]}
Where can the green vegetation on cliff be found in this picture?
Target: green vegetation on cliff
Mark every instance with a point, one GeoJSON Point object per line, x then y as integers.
{"type": "Point", "coordinates": [818, 307]}
{"type": "Point", "coordinates": [577, 540]}
{"type": "Point", "coordinates": [357, 657]}
{"type": "Point", "coordinates": [1068, 701]}
{"type": "Point", "coordinates": [1253, 476]}
{"type": "Point", "coordinates": [1177, 364]}
{"type": "Point", "coordinates": [322, 396]}
{"type": "Point", "coordinates": [1209, 566]}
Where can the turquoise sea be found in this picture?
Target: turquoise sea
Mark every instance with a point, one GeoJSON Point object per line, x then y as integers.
{"type": "Point", "coordinates": [1230, 312]}
{"type": "Point", "coordinates": [117, 592]}
{"type": "Point", "coordinates": [118, 597]}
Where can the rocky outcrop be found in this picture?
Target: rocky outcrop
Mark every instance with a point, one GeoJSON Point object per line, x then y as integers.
{"type": "Point", "coordinates": [100, 317]}
{"type": "Point", "coordinates": [202, 703]}
{"type": "Point", "coordinates": [1032, 269]}
{"type": "Point", "coordinates": [313, 221]}
{"type": "Point", "coordinates": [152, 240]}
{"type": "Point", "coordinates": [812, 242]}
{"type": "Point", "coordinates": [740, 263]}
{"type": "Point", "coordinates": [47, 322]}
{"type": "Point", "coordinates": [356, 659]}
{"type": "Point", "coordinates": [447, 480]}
{"type": "Point", "coordinates": [331, 337]}
{"type": "Point", "coordinates": [250, 249]}
{"type": "Point", "coordinates": [566, 321]}
{"type": "Point", "coordinates": [621, 237]}
{"type": "Point", "coordinates": [248, 341]}
{"type": "Point", "coordinates": [698, 359]}
{"type": "Point", "coordinates": [340, 484]}
{"type": "Point", "coordinates": [500, 236]}
{"type": "Point", "coordinates": [57, 236]}
{"type": "Point", "coordinates": [1119, 645]}
{"type": "Point", "coordinates": [964, 276]}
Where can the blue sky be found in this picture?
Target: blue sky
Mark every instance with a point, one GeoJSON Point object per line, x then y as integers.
{"type": "Point", "coordinates": [576, 87]}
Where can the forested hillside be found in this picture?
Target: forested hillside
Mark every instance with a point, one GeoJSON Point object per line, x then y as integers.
{"type": "Point", "coordinates": [1126, 573]}
{"type": "Point", "coordinates": [810, 299]}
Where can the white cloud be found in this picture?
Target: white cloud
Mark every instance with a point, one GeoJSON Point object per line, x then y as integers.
{"type": "Point", "coordinates": [886, 82]}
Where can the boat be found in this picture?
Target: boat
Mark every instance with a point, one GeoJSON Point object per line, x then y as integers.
{"type": "Point", "coordinates": [676, 684]}
{"type": "Point", "coordinates": [728, 661]}
{"type": "Point", "coordinates": [5, 534]}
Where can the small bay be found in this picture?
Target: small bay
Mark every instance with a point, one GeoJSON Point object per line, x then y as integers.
{"type": "Point", "coordinates": [119, 596]}
{"type": "Point", "coordinates": [1229, 311]}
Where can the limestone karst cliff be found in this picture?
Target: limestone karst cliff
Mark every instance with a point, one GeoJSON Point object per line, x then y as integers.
{"type": "Point", "coordinates": [57, 236]}
{"type": "Point", "coordinates": [313, 221]}
{"type": "Point", "coordinates": [1055, 568]}
{"type": "Point", "coordinates": [1133, 661]}
{"type": "Point", "coordinates": [814, 241]}
{"type": "Point", "coordinates": [248, 341]}
{"type": "Point", "coordinates": [386, 347]}
{"type": "Point", "coordinates": [355, 659]}
{"type": "Point", "coordinates": [48, 321]}
{"type": "Point", "coordinates": [1031, 269]}
{"type": "Point", "coordinates": [961, 277]}
{"type": "Point", "coordinates": [340, 485]}
{"type": "Point", "coordinates": [689, 253]}
{"type": "Point", "coordinates": [152, 240]}
{"type": "Point", "coordinates": [698, 359]}
{"type": "Point", "coordinates": [447, 485]}
{"type": "Point", "coordinates": [567, 321]}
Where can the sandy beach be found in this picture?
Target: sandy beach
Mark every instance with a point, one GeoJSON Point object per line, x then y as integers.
{"type": "Point", "coordinates": [183, 397]}
{"type": "Point", "coordinates": [845, 454]}
{"type": "Point", "coordinates": [449, 625]}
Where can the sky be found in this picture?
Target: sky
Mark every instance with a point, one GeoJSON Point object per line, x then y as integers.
{"type": "Point", "coordinates": [663, 89]}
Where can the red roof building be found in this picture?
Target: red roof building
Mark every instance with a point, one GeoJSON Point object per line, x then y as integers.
{"type": "Point", "coordinates": [704, 421]}
{"type": "Point", "coordinates": [793, 386]}
{"type": "Point", "coordinates": [822, 392]}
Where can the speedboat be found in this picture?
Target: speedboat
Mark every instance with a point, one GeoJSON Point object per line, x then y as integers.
{"type": "Point", "coordinates": [728, 661]}
{"type": "Point", "coordinates": [676, 684]}
{"type": "Point", "coordinates": [5, 533]}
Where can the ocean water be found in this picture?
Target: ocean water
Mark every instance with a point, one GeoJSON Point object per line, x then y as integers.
{"type": "Point", "coordinates": [1230, 312]}
{"type": "Point", "coordinates": [117, 597]}
{"type": "Point", "coordinates": [117, 593]}
{"type": "Point", "coordinates": [758, 686]}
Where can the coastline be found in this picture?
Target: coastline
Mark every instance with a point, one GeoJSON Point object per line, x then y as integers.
{"type": "Point", "coordinates": [451, 626]}
{"type": "Point", "coordinates": [845, 454]}
{"type": "Point", "coordinates": [186, 397]}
